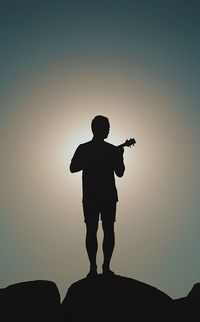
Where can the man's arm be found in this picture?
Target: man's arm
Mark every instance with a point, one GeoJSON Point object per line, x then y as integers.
{"type": "Point", "coordinates": [77, 161]}
{"type": "Point", "coordinates": [119, 166]}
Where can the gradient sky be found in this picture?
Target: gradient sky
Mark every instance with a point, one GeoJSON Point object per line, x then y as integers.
{"type": "Point", "coordinates": [62, 63]}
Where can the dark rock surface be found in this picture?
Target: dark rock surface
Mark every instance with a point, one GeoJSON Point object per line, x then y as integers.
{"type": "Point", "coordinates": [187, 308]}
{"type": "Point", "coordinates": [115, 298]}
{"type": "Point", "coordinates": [30, 301]}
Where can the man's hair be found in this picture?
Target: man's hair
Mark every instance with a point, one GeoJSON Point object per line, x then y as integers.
{"type": "Point", "coordinates": [99, 122]}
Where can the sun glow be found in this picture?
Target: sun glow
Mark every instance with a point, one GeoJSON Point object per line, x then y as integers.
{"type": "Point", "coordinates": [42, 194]}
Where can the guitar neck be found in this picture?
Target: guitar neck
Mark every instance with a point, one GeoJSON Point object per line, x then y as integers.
{"type": "Point", "coordinates": [121, 145]}
{"type": "Point", "coordinates": [129, 143]}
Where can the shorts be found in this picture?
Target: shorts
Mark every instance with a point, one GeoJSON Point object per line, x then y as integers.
{"type": "Point", "coordinates": [106, 211]}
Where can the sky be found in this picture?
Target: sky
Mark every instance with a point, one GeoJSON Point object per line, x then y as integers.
{"type": "Point", "coordinates": [62, 63]}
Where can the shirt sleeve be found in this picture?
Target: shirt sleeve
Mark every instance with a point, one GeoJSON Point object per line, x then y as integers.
{"type": "Point", "coordinates": [77, 162]}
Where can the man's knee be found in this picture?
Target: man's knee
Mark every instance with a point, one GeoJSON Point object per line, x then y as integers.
{"type": "Point", "coordinates": [91, 227]}
{"type": "Point", "coordinates": [108, 226]}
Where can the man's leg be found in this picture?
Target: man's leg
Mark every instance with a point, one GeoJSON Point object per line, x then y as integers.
{"type": "Point", "coordinates": [108, 214]}
{"type": "Point", "coordinates": [92, 245]}
{"type": "Point", "coordinates": [108, 244]}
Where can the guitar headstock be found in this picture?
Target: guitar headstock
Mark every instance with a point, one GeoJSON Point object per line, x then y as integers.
{"type": "Point", "coordinates": [129, 142]}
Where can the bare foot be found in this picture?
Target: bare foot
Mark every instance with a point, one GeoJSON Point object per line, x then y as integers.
{"type": "Point", "coordinates": [108, 273]}
{"type": "Point", "coordinates": [92, 274]}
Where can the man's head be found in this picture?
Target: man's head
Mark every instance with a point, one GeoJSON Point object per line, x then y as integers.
{"type": "Point", "coordinates": [100, 127]}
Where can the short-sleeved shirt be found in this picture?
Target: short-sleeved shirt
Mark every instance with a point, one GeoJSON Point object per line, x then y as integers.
{"type": "Point", "coordinates": [98, 161]}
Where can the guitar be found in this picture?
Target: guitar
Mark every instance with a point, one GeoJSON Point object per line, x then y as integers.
{"type": "Point", "coordinates": [129, 143]}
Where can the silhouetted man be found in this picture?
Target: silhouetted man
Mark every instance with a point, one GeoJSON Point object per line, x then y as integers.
{"type": "Point", "coordinates": [99, 161]}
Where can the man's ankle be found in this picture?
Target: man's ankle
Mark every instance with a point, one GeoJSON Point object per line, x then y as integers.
{"type": "Point", "coordinates": [105, 268]}
{"type": "Point", "coordinates": [93, 268]}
